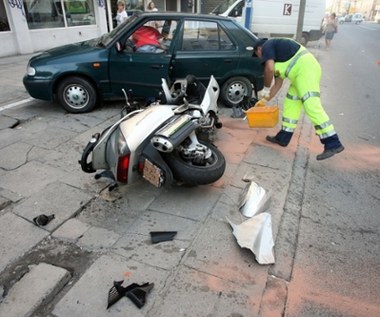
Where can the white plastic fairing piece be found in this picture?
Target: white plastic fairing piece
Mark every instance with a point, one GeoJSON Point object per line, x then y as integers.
{"type": "Point", "coordinates": [254, 200]}
{"type": "Point", "coordinates": [256, 234]}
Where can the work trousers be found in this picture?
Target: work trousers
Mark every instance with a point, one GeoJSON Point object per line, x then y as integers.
{"type": "Point", "coordinates": [304, 92]}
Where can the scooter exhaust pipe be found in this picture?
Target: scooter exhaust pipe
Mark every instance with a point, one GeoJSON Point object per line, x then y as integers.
{"type": "Point", "coordinates": [173, 133]}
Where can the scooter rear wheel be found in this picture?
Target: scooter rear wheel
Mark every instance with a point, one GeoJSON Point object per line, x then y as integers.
{"type": "Point", "coordinates": [191, 174]}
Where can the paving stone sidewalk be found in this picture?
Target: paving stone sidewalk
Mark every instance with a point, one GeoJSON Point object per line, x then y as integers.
{"type": "Point", "coordinates": [99, 237]}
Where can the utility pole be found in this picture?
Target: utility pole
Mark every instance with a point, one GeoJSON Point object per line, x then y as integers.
{"type": "Point", "coordinates": [301, 15]}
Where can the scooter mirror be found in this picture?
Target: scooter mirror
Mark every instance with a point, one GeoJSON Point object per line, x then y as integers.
{"type": "Point", "coordinates": [118, 47]}
{"type": "Point", "coordinates": [126, 97]}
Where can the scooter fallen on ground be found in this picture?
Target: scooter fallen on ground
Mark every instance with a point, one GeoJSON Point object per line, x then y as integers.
{"type": "Point", "coordinates": [163, 143]}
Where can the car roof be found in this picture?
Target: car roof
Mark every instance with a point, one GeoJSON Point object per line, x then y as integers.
{"type": "Point", "coordinates": [182, 15]}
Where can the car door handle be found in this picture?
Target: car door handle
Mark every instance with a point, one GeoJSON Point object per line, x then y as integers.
{"type": "Point", "coordinates": [157, 66]}
{"type": "Point", "coordinates": [228, 60]}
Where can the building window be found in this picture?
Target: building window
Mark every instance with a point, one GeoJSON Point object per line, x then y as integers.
{"type": "Point", "coordinates": [4, 25]}
{"type": "Point", "coordinates": [43, 14]}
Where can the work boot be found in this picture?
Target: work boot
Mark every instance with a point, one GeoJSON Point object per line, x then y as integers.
{"type": "Point", "coordinates": [332, 147]}
{"type": "Point", "coordinates": [281, 138]}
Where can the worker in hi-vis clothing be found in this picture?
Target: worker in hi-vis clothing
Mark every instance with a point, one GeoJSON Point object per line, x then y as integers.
{"type": "Point", "coordinates": [285, 58]}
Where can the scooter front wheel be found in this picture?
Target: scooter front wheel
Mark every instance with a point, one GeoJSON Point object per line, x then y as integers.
{"type": "Point", "coordinates": [192, 174]}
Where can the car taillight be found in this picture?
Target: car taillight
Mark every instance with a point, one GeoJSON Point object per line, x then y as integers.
{"type": "Point", "coordinates": [122, 168]}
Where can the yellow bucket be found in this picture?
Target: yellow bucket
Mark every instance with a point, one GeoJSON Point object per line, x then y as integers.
{"type": "Point", "coordinates": [262, 117]}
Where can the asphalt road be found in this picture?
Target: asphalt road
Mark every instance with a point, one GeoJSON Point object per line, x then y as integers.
{"type": "Point", "coordinates": [352, 74]}
{"type": "Point", "coordinates": [336, 269]}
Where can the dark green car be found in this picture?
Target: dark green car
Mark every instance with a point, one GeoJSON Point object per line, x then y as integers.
{"type": "Point", "coordinates": [141, 51]}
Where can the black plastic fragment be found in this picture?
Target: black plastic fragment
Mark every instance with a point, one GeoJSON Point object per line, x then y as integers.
{"type": "Point", "coordinates": [135, 292]}
{"type": "Point", "coordinates": [161, 236]}
{"type": "Point", "coordinates": [43, 220]}
{"type": "Point", "coordinates": [138, 294]}
{"type": "Point", "coordinates": [115, 293]}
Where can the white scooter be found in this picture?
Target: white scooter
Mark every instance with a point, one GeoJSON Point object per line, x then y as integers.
{"type": "Point", "coordinates": [162, 143]}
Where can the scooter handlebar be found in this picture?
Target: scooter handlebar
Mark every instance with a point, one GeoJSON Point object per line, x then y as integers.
{"type": "Point", "coordinates": [85, 165]}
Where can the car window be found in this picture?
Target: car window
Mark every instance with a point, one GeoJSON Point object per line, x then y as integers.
{"type": "Point", "coordinates": [237, 11]}
{"type": "Point", "coordinates": [155, 36]}
{"type": "Point", "coordinates": [205, 36]}
{"type": "Point", "coordinates": [107, 38]}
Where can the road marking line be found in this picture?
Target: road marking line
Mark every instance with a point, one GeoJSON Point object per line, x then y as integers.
{"type": "Point", "coordinates": [368, 28]}
{"type": "Point", "coordinates": [15, 104]}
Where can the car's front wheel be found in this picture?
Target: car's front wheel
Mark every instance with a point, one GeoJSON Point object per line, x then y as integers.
{"type": "Point", "coordinates": [234, 90]}
{"type": "Point", "coordinates": [76, 95]}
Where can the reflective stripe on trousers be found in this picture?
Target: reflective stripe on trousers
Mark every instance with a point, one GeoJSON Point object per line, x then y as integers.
{"type": "Point", "coordinates": [324, 130]}
{"type": "Point", "coordinates": [305, 97]}
{"type": "Point", "coordinates": [294, 61]}
{"type": "Point", "coordinates": [310, 101]}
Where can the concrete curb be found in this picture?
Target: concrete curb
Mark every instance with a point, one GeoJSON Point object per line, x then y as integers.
{"type": "Point", "coordinates": [40, 285]}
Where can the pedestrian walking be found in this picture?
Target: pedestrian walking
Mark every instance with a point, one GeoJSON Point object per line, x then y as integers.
{"type": "Point", "coordinates": [285, 58]}
{"type": "Point", "coordinates": [151, 7]}
{"type": "Point", "coordinates": [121, 14]}
{"type": "Point", "coordinates": [330, 28]}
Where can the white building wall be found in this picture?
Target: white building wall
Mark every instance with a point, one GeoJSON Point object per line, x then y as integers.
{"type": "Point", "coordinates": [21, 40]}
{"type": "Point", "coordinates": [9, 44]}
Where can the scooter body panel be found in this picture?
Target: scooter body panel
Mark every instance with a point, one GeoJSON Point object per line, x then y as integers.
{"type": "Point", "coordinates": [139, 127]}
{"type": "Point", "coordinates": [136, 132]}
{"type": "Point", "coordinates": [210, 99]}
{"type": "Point", "coordinates": [127, 136]}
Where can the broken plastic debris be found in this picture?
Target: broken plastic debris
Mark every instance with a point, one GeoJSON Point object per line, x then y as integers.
{"type": "Point", "coordinates": [115, 293]}
{"type": "Point", "coordinates": [254, 200]}
{"type": "Point", "coordinates": [138, 294]}
{"type": "Point", "coordinates": [248, 177]}
{"type": "Point", "coordinates": [135, 292]}
{"type": "Point", "coordinates": [161, 236]}
{"type": "Point", "coordinates": [43, 220]}
{"type": "Point", "coordinates": [256, 234]}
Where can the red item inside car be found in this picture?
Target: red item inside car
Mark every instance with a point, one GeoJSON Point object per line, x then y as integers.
{"type": "Point", "coordinates": [146, 35]}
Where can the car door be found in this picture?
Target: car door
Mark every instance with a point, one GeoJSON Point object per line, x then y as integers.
{"type": "Point", "coordinates": [140, 71]}
{"type": "Point", "coordinates": [204, 49]}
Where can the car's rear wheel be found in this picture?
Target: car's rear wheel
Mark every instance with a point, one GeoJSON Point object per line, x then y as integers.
{"type": "Point", "coordinates": [234, 90]}
{"type": "Point", "coordinates": [76, 95]}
